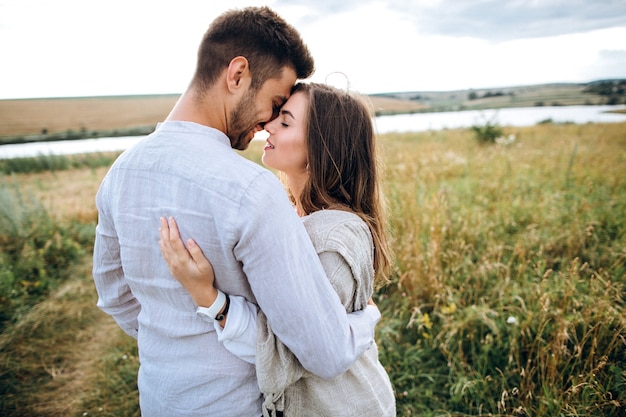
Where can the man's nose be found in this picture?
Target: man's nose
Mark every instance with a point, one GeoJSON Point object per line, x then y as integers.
{"type": "Point", "coordinates": [269, 126]}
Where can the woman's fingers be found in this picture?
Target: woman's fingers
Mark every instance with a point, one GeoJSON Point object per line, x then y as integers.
{"type": "Point", "coordinates": [172, 248]}
{"type": "Point", "coordinates": [164, 229]}
{"type": "Point", "coordinates": [185, 263]}
{"type": "Point", "coordinates": [171, 240]}
{"type": "Point", "coordinates": [174, 240]}
{"type": "Point", "coordinates": [164, 238]}
{"type": "Point", "coordinates": [164, 232]}
{"type": "Point", "coordinates": [202, 263]}
{"type": "Point", "coordinates": [173, 226]}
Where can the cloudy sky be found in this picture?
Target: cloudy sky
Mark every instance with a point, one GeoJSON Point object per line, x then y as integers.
{"type": "Point", "coordinates": [84, 48]}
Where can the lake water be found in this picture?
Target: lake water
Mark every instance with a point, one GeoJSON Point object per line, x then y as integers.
{"type": "Point", "coordinates": [524, 116]}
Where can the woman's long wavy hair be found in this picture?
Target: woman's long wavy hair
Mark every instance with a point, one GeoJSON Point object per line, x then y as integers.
{"type": "Point", "coordinates": [343, 164]}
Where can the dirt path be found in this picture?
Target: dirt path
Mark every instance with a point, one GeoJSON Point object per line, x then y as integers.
{"type": "Point", "coordinates": [75, 379]}
{"type": "Point", "coordinates": [52, 362]}
{"type": "Point", "coordinates": [59, 345]}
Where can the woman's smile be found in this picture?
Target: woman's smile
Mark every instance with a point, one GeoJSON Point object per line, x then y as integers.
{"type": "Point", "coordinates": [268, 145]}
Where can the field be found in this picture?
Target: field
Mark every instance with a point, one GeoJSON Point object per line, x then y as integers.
{"type": "Point", "coordinates": [61, 118]}
{"type": "Point", "coordinates": [560, 94]}
{"type": "Point", "coordinates": [507, 298]}
{"type": "Point", "coordinates": [84, 117]}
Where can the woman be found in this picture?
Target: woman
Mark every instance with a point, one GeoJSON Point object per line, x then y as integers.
{"type": "Point", "coordinates": [323, 144]}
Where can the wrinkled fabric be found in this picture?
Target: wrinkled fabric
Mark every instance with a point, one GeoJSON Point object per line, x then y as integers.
{"type": "Point", "coordinates": [239, 214]}
{"type": "Point", "coordinates": [344, 244]}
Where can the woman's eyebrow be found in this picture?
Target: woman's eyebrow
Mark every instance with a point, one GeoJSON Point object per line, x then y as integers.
{"type": "Point", "coordinates": [288, 113]}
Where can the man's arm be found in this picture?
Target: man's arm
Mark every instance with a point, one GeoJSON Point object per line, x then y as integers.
{"type": "Point", "coordinates": [114, 295]}
{"type": "Point", "coordinates": [238, 331]}
{"type": "Point", "coordinates": [291, 288]}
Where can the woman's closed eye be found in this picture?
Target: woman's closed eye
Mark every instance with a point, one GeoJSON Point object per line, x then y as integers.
{"type": "Point", "coordinates": [284, 116]}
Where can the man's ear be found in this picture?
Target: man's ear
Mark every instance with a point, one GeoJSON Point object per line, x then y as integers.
{"type": "Point", "coordinates": [238, 74]}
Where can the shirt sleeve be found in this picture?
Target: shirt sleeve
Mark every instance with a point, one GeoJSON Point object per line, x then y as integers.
{"type": "Point", "coordinates": [239, 334]}
{"type": "Point", "coordinates": [277, 367]}
{"type": "Point", "coordinates": [114, 295]}
{"type": "Point", "coordinates": [290, 285]}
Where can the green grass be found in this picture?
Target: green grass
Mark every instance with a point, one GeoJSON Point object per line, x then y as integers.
{"type": "Point", "coordinates": [56, 162]}
{"type": "Point", "coordinates": [507, 297]}
{"type": "Point", "coordinates": [37, 251]}
{"type": "Point", "coordinates": [80, 134]}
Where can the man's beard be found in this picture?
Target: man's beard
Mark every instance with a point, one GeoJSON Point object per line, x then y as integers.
{"type": "Point", "coordinates": [241, 120]}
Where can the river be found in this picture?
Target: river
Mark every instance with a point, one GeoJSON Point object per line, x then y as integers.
{"type": "Point", "coordinates": [521, 116]}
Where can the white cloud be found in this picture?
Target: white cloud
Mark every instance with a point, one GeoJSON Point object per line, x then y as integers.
{"type": "Point", "coordinates": [363, 44]}
{"type": "Point", "coordinates": [493, 19]}
{"type": "Point", "coordinates": [73, 47]}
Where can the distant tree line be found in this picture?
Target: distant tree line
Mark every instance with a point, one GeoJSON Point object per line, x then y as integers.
{"type": "Point", "coordinates": [613, 90]}
{"type": "Point", "coordinates": [473, 95]}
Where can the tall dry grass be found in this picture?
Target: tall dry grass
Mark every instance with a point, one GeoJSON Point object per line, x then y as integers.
{"type": "Point", "coordinates": [507, 297]}
{"type": "Point", "coordinates": [509, 294]}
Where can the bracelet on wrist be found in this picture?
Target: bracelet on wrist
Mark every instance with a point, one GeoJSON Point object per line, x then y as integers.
{"type": "Point", "coordinates": [223, 314]}
{"type": "Point", "coordinates": [209, 314]}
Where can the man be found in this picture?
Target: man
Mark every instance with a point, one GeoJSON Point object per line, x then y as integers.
{"type": "Point", "coordinates": [240, 216]}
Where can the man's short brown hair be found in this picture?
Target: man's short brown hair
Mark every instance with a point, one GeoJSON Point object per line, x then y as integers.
{"type": "Point", "coordinates": [260, 35]}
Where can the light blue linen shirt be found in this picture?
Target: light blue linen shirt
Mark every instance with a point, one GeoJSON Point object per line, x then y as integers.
{"type": "Point", "coordinates": [239, 214]}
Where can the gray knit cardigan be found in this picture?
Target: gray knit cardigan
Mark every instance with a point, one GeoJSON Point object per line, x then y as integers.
{"type": "Point", "coordinates": [344, 245]}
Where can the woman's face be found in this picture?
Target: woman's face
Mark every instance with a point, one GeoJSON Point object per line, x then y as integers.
{"type": "Point", "coordinates": [285, 149]}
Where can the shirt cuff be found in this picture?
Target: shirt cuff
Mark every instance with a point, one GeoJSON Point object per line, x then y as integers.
{"type": "Point", "coordinates": [371, 315]}
{"type": "Point", "coordinates": [239, 333]}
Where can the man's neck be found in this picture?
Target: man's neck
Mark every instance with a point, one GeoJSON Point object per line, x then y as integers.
{"type": "Point", "coordinates": [191, 108]}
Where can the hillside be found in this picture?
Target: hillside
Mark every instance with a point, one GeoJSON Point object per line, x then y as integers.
{"type": "Point", "coordinates": [559, 94]}
{"type": "Point", "coordinates": [26, 120]}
